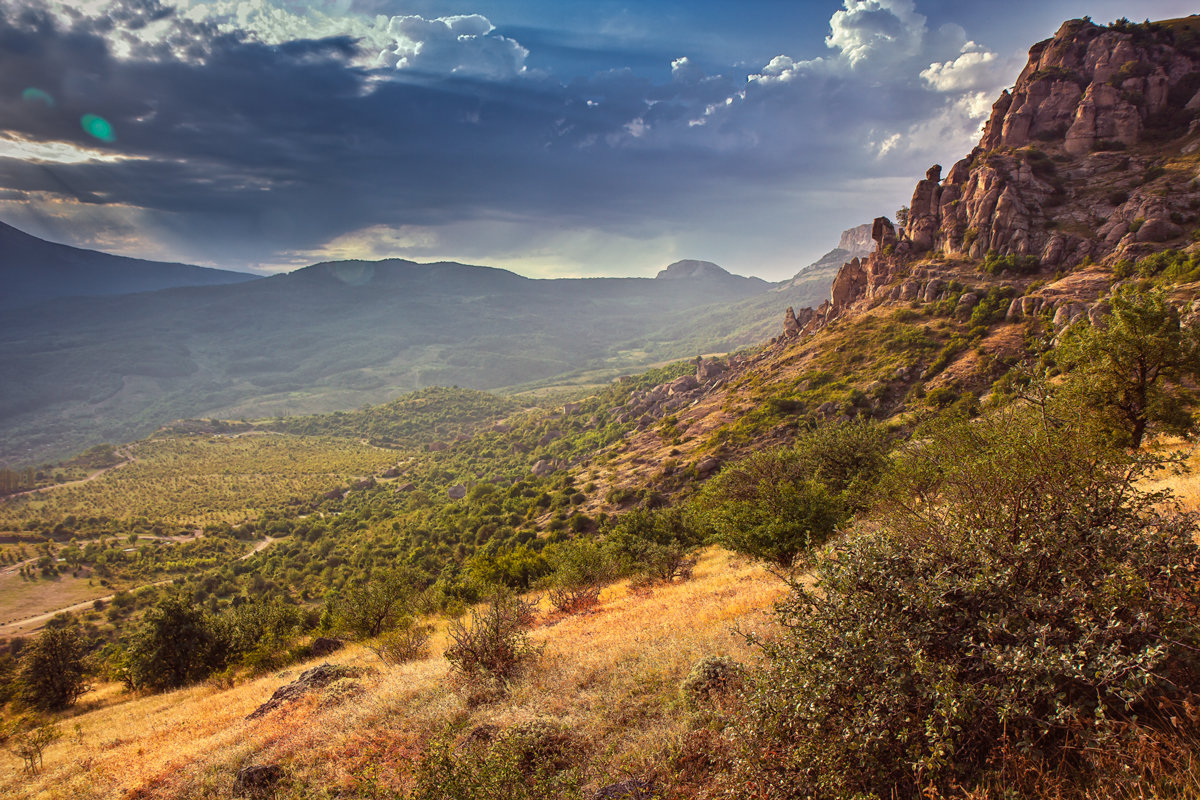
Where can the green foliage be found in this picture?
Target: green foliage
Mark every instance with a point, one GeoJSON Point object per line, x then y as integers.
{"type": "Point", "coordinates": [1014, 593]}
{"type": "Point", "coordinates": [994, 264]}
{"type": "Point", "coordinates": [176, 644]}
{"type": "Point", "coordinates": [652, 543]}
{"type": "Point", "coordinates": [1130, 368]}
{"type": "Point", "coordinates": [1166, 267]}
{"type": "Point", "coordinates": [412, 420]}
{"type": "Point", "coordinates": [992, 306]}
{"type": "Point", "coordinates": [777, 504]}
{"type": "Point", "coordinates": [379, 604]}
{"type": "Point", "coordinates": [53, 669]}
{"type": "Point", "coordinates": [535, 761]}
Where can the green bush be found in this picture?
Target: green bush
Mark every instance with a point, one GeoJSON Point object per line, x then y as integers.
{"type": "Point", "coordinates": [994, 263]}
{"type": "Point", "coordinates": [777, 504]}
{"type": "Point", "coordinates": [536, 761]}
{"type": "Point", "coordinates": [1014, 594]}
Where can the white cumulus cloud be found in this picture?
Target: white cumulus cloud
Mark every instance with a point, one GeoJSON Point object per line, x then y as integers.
{"type": "Point", "coordinates": [876, 30]}
{"type": "Point", "coordinates": [975, 68]}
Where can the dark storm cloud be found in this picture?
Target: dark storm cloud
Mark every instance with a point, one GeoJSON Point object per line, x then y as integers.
{"type": "Point", "coordinates": [283, 147]}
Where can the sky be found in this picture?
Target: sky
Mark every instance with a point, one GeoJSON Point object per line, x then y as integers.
{"type": "Point", "coordinates": [549, 137]}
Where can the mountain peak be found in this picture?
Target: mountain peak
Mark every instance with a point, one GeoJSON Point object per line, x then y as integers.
{"type": "Point", "coordinates": [691, 268]}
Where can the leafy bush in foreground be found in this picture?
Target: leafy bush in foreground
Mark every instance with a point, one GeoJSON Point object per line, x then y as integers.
{"type": "Point", "coordinates": [1016, 595]}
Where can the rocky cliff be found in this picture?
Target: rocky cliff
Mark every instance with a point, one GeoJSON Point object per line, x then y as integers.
{"type": "Point", "coordinates": [1091, 159]}
{"type": "Point", "coordinates": [1069, 157]}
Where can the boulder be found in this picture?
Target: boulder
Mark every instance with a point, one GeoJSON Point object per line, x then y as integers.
{"type": "Point", "coordinates": [708, 370]}
{"type": "Point", "coordinates": [457, 492]}
{"type": "Point", "coordinates": [316, 678]}
{"type": "Point", "coordinates": [707, 466]}
{"type": "Point", "coordinates": [542, 468]}
{"type": "Point", "coordinates": [1158, 230]}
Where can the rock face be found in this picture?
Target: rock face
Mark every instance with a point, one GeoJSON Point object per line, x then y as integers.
{"type": "Point", "coordinates": [857, 241]}
{"type": "Point", "coordinates": [1088, 89]}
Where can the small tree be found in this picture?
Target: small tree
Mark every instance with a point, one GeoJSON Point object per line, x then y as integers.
{"type": "Point", "coordinates": [28, 739]}
{"type": "Point", "coordinates": [176, 645]}
{"type": "Point", "coordinates": [1130, 366]}
{"type": "Point", "coordinates": [53, 669]}
{"type": "Point", "coordinates": [777, 504]}
{"type": "Point", "coordinates": [380, 604]}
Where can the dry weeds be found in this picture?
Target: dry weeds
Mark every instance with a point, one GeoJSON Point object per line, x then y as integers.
{"type": "Point", "coordinates": [610, 675]}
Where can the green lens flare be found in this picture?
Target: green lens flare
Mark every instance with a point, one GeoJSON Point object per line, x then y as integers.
{"type": "Point", "coordinates": [98, 127]}
{"type": "Point", "coordinates": [35, 95]}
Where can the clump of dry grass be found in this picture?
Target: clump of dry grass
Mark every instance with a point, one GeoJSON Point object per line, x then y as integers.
{"type": "Point", "coordinates": [611, 677]}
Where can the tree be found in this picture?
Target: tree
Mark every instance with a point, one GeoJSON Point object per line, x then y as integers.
{"type": "Point", "coordinates": [777, 504]}
{"type": "Point", "coordinates": [378, 605]}
{"type": "Point", "coordinates": [1129, 366]}
{"type": "Point", "coordinates": [53, 669]}
{"type": "Point", "coordinates": [176, 645]}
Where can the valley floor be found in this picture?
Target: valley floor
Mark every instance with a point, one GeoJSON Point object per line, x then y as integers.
{"type": "Point", "coordinates": [611, 677]}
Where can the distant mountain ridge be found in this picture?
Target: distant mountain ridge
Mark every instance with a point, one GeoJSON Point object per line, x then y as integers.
{"type": "Point", "coordinates": [33, 270]}
{"type": "Point", "coordinates": [336, 335]}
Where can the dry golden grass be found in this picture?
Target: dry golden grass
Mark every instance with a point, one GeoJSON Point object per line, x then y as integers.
{"type": "Point", "coordinates": [612, 676]}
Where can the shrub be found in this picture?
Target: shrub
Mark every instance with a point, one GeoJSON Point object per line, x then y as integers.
{"type": "Point", "coordinates": [994, 263]}
{"type": "Point", "coordinates": [711, 679]}
{"type": "Point", "coordinates": [407, 643]}
{"type": "Point", "coordinates": [776, 504]}
{"type": "Point", "coordinates": [494, 649]}
{"type": "Point", "coordinates": [535, 761]}
{"type": "Point", "coordinates": [377, 605]}
{"type": "Point", "coordinates": [1014, 593]}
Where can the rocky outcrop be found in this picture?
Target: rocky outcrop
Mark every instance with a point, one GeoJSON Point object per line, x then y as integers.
{"type": "Point", "coordinates": [1064, 174]}
{"type": "Point", "coordinates": [1088, 89]}
{"type": "Point", "coordinates": [309, 681]}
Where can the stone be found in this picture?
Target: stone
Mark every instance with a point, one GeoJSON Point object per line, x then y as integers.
{"type": "Point", "coordinates": [316, 678]}
{"type": "Point", "coordinates": [848, 284]}
{"type": "Point", "coordinates": [707, 466]}
{"type": "Point", "coordinates": [457, 492]}
{"type": "Point", "coordinates": [436, 447]}
{"type": "Point", "coordinates": [932, 290]}
{"type": "Point", "coordinates": [1158, 230]}
{"type": "Point", "coordinates": [542, 468]}
{"type": "Point", "coordinates": [708, 370]}
{"type": "Point", "coordinates": [406, 487]}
